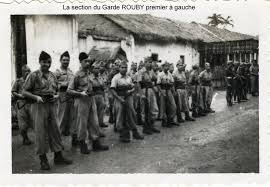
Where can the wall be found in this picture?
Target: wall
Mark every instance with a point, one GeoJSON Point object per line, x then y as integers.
{"type": "Point", "coordinates": [166, 52]}
{"type": "Point", "coordinates": [53, 34]}
{"type": "Point", "coordinates": [86, 44]}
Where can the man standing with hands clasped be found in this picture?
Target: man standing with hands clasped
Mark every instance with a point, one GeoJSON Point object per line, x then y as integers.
{"type": "Point", "coordinates": [41, 86]}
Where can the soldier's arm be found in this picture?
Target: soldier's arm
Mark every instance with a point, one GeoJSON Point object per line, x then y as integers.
{"type": "Point", "coordinates": [27, 88]}
{"type": "Point", "coordinates": [15, 92]}
{"type": "Point", "coordinates": [71, 89]}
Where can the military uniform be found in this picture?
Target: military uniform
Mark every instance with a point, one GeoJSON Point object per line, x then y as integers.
{"type": "Point", "coordinates": [254, 79]}
{"type": "Point", "coordinates": [23, 108]}
{"type": "Point", "coordinates": [196, 102]}
{"type": "Point", "coordinates": [124, 112]}
{"type": "Point", "coordinates": [44, 115]}
{"type": "Point", "coordinates": [206, 90]}
{"type": "Point", "coordinates": [167, 102]}
{"type": "Point", "coordinates": [99, 94]}
{"type": "Point", "coordinates": [182, 102]}
{"type": "Point", "coordinates": [149, 107]}
{"type": "Point", "coordinates": [229, 84]}
{"type": "Point", "coordinates": [65, 102]}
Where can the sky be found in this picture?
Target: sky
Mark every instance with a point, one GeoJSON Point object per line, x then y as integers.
{"type": "Point", "coordinates": [246, 14]}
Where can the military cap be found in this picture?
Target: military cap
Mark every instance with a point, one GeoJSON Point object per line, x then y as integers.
{"type": "Point", "coordinates": [195, 66]}
{"type": "Point", "coordinates": [83, 56]}
{"type": "Point", "coordinates": [180, 63]}
{"type": "Point", "coordinates": [66, 54]}
{"type": "Point", "coordinates": [44, 56]}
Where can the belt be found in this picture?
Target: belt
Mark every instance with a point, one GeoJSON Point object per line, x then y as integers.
{"type": "Point", "coordinates": [146, 85]}
{"type": "Point", "coordinates": [98, 90]}
{"type": "Point", "coordinates": [179, 85]}
{"type": "Point", "coordinates": [63, 88]}
{"type": "Point", "coordinates": [165, 86]}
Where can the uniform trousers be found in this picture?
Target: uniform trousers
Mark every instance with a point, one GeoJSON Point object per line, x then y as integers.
{"type": "Point", "coordinates": [86, 118]}
{"type": "Point", "coordinates": [46, 127]}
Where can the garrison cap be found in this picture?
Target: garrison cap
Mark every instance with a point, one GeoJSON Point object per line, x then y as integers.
{"type": "Point", "coordinates": [83, 56]}
{"type": "Point", "coordinates": [66, 54]}
{"type": "Point", "coordinates": [44, 56]}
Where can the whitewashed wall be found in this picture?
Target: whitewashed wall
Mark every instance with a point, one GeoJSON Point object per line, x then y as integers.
{"type": "Point", "coordinates": [167, 52]}
{"type": "Point", "coordinates": [53, 34]}
{"type": "Point", "coordinates": [86, 44]}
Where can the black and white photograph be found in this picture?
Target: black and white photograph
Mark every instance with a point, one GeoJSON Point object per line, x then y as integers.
{"type": "Point", "coordinates": [134, 93]}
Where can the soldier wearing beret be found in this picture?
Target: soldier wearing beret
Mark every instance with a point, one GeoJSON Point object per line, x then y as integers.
{"type": "Point", "coordinates": [81, 88]}
{"type": "Point", "coordinates": [65, 102]}
{"type": "Point", "coordinates": [41, 87]}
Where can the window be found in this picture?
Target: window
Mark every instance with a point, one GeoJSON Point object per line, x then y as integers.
{"type": "Point", "coordinates": [182, 57]}
{"type": "Point", "coordinates": [154, 56]}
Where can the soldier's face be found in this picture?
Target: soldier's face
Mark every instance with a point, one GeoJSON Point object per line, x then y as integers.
{"type": "Point", "coordinates": [45, 64]}
{"type": "Point", "coordinates": [96, 70]}
{"type": "Point", "coordinates": [25, 72]}
{"type": "Point", "coordinates": [85, 63]}
{"type": "Point", "coordinates": [166, 68]}
{"type": "Point", "coordinates": [123, 69]}
{"type": "Point", "coordinates": [65, 61]}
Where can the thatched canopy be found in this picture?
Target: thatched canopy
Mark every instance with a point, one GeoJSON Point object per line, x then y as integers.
{"type": "Point", "coordinates": [142, 27]}
{"type": "Point", "coordinates": [107, 54]}
{"type": "Point", "coordinates": [150, 28]}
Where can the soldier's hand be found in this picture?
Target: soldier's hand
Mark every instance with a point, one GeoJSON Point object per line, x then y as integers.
{"type": "Point", "coordinates": [122, 101]}
{"type": "Point", "coordinates": [84, 93]}
{"type": "Point", "coordinates": [55, 97]}
{"type": "Point", "coordinates": [39, 99]}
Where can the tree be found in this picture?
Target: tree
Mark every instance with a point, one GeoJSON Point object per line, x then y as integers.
{"type": "Point", "coordinates": [217, 19]}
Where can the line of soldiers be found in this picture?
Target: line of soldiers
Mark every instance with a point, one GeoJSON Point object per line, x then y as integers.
{"type": "Point", "coordinates": [63, 103]}
{"type": "Point", "coordinates": [241, 79]}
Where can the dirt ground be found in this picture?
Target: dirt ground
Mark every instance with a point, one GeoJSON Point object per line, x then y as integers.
{"type": "Point", "coordinates": [224, 142]}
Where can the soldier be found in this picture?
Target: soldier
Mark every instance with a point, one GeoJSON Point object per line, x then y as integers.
{"type": "Point", "coordinates": [171, 68]}
{"type": "Point", "coordinates": [122, 89]}
{"type": "Point", "coordinates": [180, 82]}
{"type": "Point", "coordinates": [103, 74]}
{"type": "Point", "coordinates": [254, 78]}
{"type": "Point", "coordinates": [41, 86]}
{"type": "Point", "coordinates": [242, 82]}
{"type": "Point", "coordinates": [165, 83]}
{"type": "Point", "coordinates": [81, 89]}
{"type": "Point", "coordinates": [65, 102]}
{"type": "Point", "coordinates": [229, 83]}
{"type": "Point", "coordinates": [149, 108]}
{"type": "Point", "coordinates": [197, 110]}
{"type": "Point", "coordinates": [112, 73]}
{"type": "Point", "coordinates": [99, 93]}
{"type": "Point", "coordinates": [23, 106]}
{"type": "Point", "coordinates": [205, 78]}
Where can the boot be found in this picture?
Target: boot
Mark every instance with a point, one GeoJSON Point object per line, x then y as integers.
{"type": "Point", "coordinates": [194, 113]}
{"type": "Point", "coordinates": [102, 135]}
{"type": "Point", "coordinates": [201, 113]}
{"type": "Point", "coordinates": [26, 140]}
{"type": "Point", "coordinates": [97, 146]}
{"type": "Point", "coordinates": [210, 110]}
{"type": "Point", "coordinates": [103, 125]}
{"type": "Point", "coordinates": [180, 119]}
{"type": "Point", "coordinates": [188, 118]}
{"type": "Point", "coordinates": [84, 148]}
{"type": "Point", "coordinates": [137, 135]}
{"type": "Point", "coordinates": [74, 140]}
{"type": "Point", "coordinates": [172, 123]}
{"type": "Point", "coordinates": [60, 160]}
{"type": "Point", "coordinates": [44, 165]}
{"type": "Point", "coordinates": [124, 135]}
{"type": "Point", "coordinates": [152, 126]}
{"type": "Point", "coordinates": [146, 129]}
